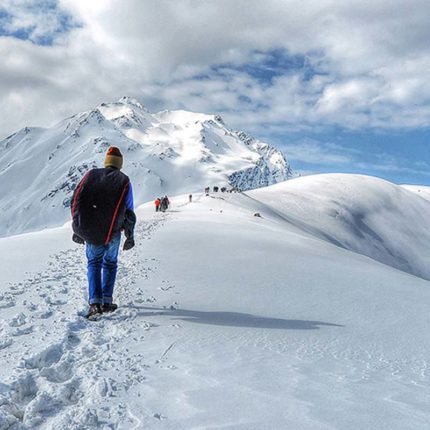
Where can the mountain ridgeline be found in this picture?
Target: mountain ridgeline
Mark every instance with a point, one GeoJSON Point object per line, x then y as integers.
{"type": "Point", "coordinates": [169, 152]}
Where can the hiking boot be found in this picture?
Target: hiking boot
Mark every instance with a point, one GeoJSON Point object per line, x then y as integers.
{"type": "Point", "coordinates": [109, 307]}
{"type": "Point", "coordinates": [94, 309]}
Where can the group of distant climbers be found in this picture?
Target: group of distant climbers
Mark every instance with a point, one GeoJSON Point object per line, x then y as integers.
{"type": "Point", "coordinates": [222, 189]}
{"type": "Point", "coordinates": [161, 204]}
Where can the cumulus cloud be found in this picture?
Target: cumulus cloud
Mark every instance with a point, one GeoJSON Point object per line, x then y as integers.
{"type": "Point", "coordinates": [273, 65]}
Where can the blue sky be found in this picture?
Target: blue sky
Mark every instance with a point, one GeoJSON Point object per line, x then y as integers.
{"type": "Point", "coordinates": [338, 87]}
{"type": "Point", "coordinates": [400, 157]}
{"type": "Point", "coordinates": [40, 22]}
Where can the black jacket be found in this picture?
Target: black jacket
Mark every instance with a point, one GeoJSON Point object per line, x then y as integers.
{"type": "Point", "coordinates": [98, 205]}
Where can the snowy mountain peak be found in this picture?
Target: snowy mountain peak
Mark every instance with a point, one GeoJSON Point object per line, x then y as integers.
{"type": "Point", "coordinates": [132, 101]}
{"type": "Point", "coordinates": [169, 152]}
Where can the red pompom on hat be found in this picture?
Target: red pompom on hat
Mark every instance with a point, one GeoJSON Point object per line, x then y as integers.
{"type": "Point", "coordinates": [113, 158]}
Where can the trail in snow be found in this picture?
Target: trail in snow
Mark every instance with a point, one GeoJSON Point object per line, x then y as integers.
{"type": "Point", "coordinates": [77, 371]}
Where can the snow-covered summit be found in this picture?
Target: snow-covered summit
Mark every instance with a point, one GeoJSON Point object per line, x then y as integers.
{"type": "Point", "coordinates": [131, 101]}
{"type": "Point", "coordinates": [169, 152]}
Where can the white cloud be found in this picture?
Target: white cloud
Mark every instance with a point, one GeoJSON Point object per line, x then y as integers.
{"type": "Point", "coordinates": [372, 60]}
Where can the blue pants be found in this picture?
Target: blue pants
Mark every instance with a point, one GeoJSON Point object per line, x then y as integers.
{"type": "Point", "coordinates": [102, 266]}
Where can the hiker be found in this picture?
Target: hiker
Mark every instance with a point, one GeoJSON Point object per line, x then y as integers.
{"type": "Point", "coordinates": [157, 204]}
{"type": "Point", "coordinates": [164, 205]}
{"type": "Point", "coordinates": [102, 206]}
{"type": "Point", "coordinates": [190, 198]}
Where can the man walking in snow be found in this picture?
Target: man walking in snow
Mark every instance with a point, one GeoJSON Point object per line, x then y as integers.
{"type": "Point", "coordinates": [102, 206]}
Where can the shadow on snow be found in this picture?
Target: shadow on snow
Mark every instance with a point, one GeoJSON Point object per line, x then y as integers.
{"type": "Point", "coordinates": [232, 319]}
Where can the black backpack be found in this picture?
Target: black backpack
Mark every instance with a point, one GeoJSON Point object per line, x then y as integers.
{"type": "Point", "coordinates": [98, 205]}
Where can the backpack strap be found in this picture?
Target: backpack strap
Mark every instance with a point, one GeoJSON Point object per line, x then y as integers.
{"type": "Point", "coordinates": [116, 213]}
{"type": "Point", "coordinates": [78, 190]}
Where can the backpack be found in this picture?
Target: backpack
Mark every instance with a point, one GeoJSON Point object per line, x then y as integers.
{"type": "Point", "coordinates": [98, 205]}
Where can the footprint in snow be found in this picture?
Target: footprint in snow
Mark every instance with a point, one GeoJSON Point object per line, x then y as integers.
{"type": "Point", "coordinates": [16, 291]}
{"type": "Point", "coordinates": [18, 321]}
{"type": "Point", "coordinates": [45, 358]}
{"type": "Point", "coordinates": [5, 342]}
{"type": "Point", "coordinates": [22, 331]}
{"type": "Point", "coordinates": [8, 304]}
{"type": "Point", "coordinates": [43, 315]}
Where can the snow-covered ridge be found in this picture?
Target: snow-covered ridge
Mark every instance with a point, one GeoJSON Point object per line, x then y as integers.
{"type": "Point", "coordinates": [169, 152]}
{"type": "Point", "coordinates": [363, 214]}
{"type": "Point", "coordinates": [422, 191]}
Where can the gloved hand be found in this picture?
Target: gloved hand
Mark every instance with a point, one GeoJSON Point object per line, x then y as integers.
{"type": "Point", "coordinates": [78, 239]}
{"type": "Point", "coordinates": [128, 244]}
{"type": "Point", "coordinates": [129, 223]}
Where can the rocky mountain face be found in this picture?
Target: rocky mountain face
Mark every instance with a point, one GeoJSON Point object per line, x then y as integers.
{"type": "Point", "coordinates": [169, 152]}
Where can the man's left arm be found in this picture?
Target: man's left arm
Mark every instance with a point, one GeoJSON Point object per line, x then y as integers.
{"type": "Point", "coordinates": [130, 219]}
{"type": "Point", "coordinates": [129, 200]}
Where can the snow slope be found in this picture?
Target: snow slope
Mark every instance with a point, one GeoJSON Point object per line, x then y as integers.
{"type": "Point", "coordinates": [424, 192]}
{"type": "Point", "coordinates": [167, 152]}
{"type": "Point", "coordinates": [360, 213]}
{"type": "Point", "coordinates": [226, 319]}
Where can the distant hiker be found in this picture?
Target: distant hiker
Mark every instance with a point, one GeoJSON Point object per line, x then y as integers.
{"type": "Point", "coordinates": [223, 189]}
{"type": "Point", "coordinates": [157, 204]}
{"type": "Point", "coordinates": [207, 189]}
{"type": "Point", "coordinates": [165, 203]}
{"type": "Point", "coordinates": [190, 198]}
{"type": "Point", "coordinates": [102, 206]}
{"type": "Point", "coordinates": [215, 189]}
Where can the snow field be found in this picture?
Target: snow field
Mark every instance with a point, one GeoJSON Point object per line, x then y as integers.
{"type": "Point", "coordinates": [61, 368]}
{"type": "Point", "coordinates": [226, 320]}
